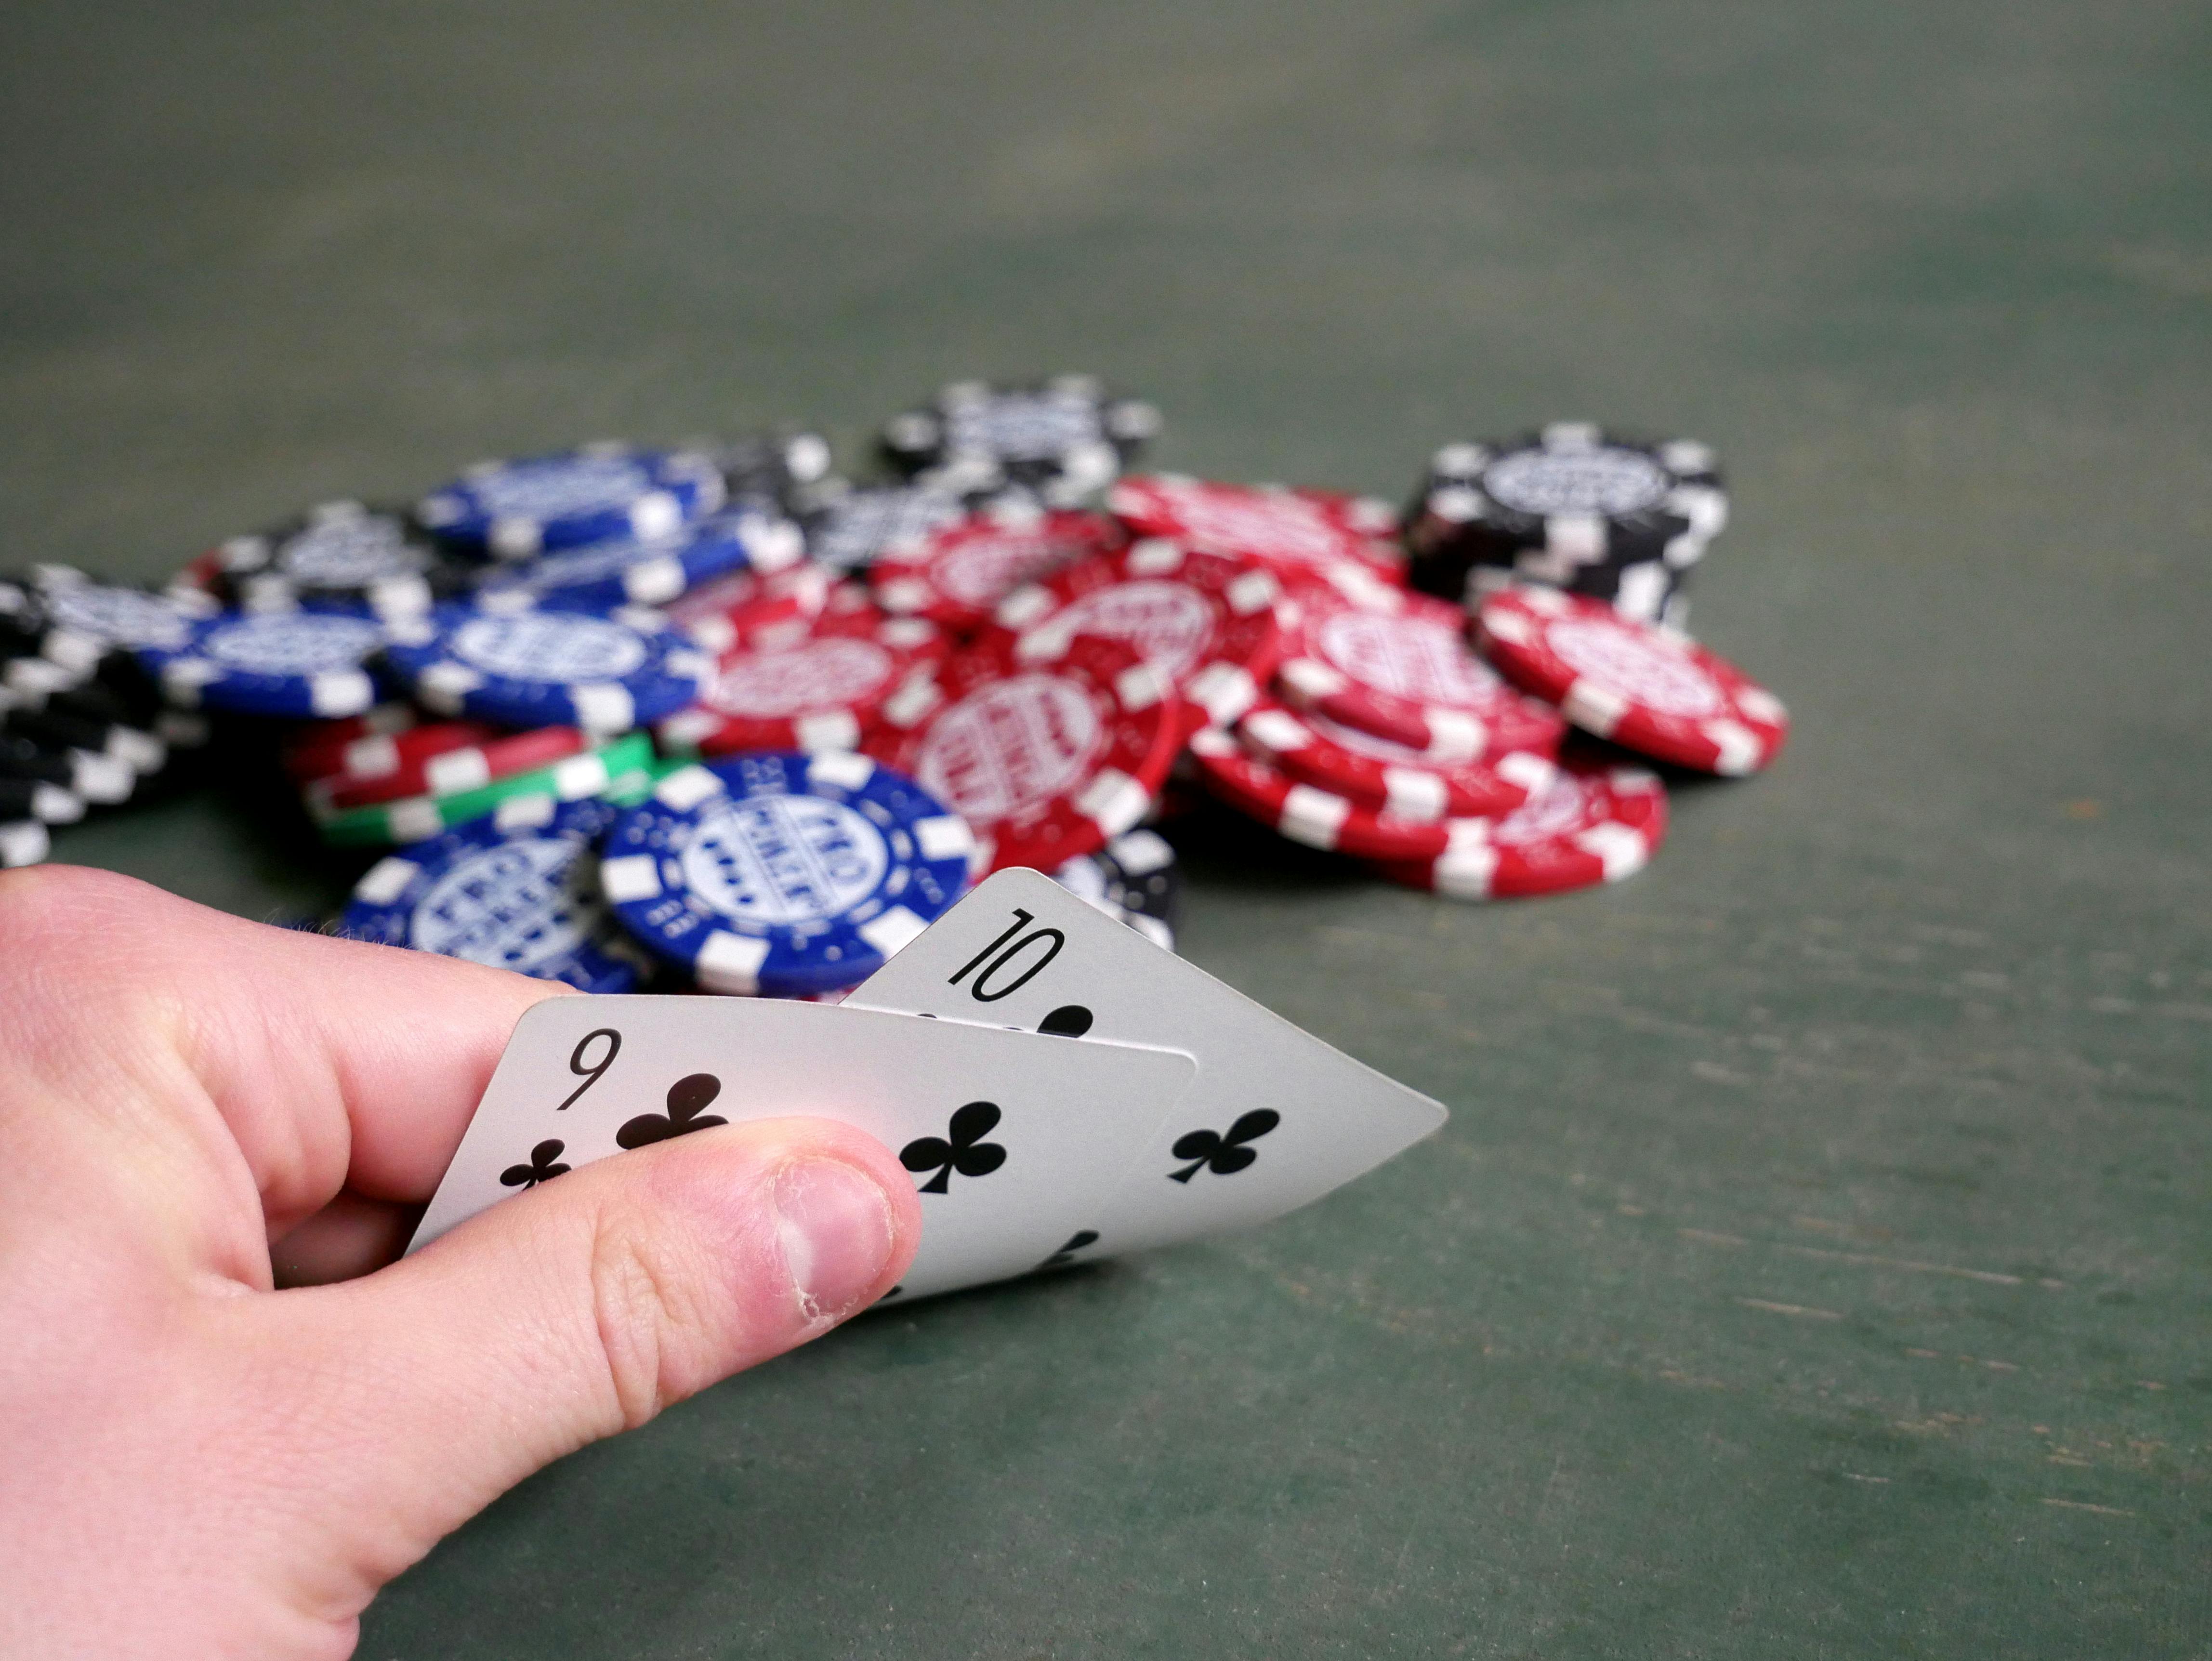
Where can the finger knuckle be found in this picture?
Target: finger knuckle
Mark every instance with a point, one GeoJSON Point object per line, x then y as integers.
{"type": "Point", "coordinates": [647, 1310]}
{"type": "Point", "coordinates": [65, 934]}
{"type": "Point", "coordinates": [57, 903]}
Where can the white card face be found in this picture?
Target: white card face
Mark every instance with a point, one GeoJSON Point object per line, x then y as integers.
{"type": "Point", "coordinates": [1009, 1135]}
{"type": "Point", "coordinates": [1276, 1118]}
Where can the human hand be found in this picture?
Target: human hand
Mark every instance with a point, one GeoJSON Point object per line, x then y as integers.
{"type": "Point", "coordinates": [195, 1463]}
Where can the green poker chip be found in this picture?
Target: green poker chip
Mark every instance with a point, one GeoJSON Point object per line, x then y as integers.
{"type": "Point", "coordinates": [618, 771]}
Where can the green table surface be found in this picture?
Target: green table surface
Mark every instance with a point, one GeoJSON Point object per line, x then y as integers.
{"type": "Point", "coordinates": [1815, 1264]}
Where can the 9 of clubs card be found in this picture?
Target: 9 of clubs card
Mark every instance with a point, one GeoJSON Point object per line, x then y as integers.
{"type": "Point", "coordinates": [1013, 1137]}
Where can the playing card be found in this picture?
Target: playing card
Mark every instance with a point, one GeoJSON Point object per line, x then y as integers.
{"type": "Point", "coordinates": [1007, 1133]}
{"type": "Point", "coordinates": [1275, 1118]}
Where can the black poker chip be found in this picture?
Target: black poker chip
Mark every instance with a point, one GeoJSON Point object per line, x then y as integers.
{"type": "Point", "coordinates": [81, 724]}
{"type": "Point", "coordinates": [1065, 438]}
{"type": "Point", "coordinates": [97, 698]}
{"type": "Point", "coordinates": [90, 628]}
{"type": "Point", "coordinates": [22, 841]}
{"type": "Point", "coordinates": [37, 655]}
{"type": "Point", "coordinates": [1571, 507]}
{"type": "Point", "coordinates": [122, 694]}
{"type": "Point", "coordinates": [102, 781]}
{"type": "Point", "coordinates": [28, 675]}
{"type": "Point", "coordinates": [790, 470]}
{"type": "Point", "coordinates": [856, 527]}
{"type": "Point", "coordinates": [19, 611]}
{"type": "Point", "coordinates": [340, 557]}
{"type": "Point", "coordinates": [135, 747]}
{"type": "Point", "coordinates": [1134, 877]}
{"type": "Point", "coordinates": [38, 799]}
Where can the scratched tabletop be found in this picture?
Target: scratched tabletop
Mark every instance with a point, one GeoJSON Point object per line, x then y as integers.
{"type": "Point", "coordinates": [1816, 1262]}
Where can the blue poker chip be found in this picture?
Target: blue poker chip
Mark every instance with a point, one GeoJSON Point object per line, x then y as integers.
{"type": "Point", "coordinates": [523, 897]}
{"type": "Point", "coordinates": [781, 874]}
{"type": "Point", "coordinates": [605, 675]}
{"type": "Point", "coordinates": [305, 665]}
{"type": "Point", "coordinates": [602, 576]}
{"type": "Point", "coordinates": [513, 509]}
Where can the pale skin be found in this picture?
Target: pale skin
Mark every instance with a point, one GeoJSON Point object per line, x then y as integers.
{"type": "Point", "coordinates": [196, 1111]}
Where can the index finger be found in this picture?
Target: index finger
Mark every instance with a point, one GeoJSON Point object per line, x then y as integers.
{"type": "Point", "coordinates": [333, 1063]}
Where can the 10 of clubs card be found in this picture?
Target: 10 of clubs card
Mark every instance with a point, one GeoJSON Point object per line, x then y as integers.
{"type": "Point", "coordinates": [1013, 1137]}
{"type": "Point", "coordinates": [1275, 1119]}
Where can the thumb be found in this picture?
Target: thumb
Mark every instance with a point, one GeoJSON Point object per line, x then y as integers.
{"type": "Point", "coordinates": [577, 1309]}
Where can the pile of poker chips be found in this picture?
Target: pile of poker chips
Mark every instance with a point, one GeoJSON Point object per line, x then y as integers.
{"type": "Point", "coordinates": [717, 718]}
{"type": "Point", "coordinates": [82, 728]}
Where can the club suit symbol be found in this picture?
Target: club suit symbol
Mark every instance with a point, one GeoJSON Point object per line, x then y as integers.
{"type": "Point", "coordinates": [543, 1167]}
{"type": "Point", "coordinates": [1224, 1156]}
{"type": "Point", "coordinates": [966, 1152]}
{"type": "Point", "coordinates": [1065, 1255]}
{"type": "Point", "coordinates": [687, 1097]}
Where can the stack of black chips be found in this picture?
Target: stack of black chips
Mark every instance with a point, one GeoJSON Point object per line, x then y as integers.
{"type": "Point", "coordinates": [1573, 506]}
{"type": "Point", "coordinates": [81, 726]}
{"type": "Point", "coordinates": [338, 557]}
{"type": "Point", "coordinates": [785, 469]}
{"type": "Point", "coordinates": [1064, 440]}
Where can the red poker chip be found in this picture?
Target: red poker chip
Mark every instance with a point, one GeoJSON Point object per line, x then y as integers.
{"type": "Point", "coordinates": [956, 576]}
{"type": "Point", "coordinates": [744, 609]}
{"type": "Point", "coordinates": [1045, 759]}
{"type": "Point", "coordinates": [1408, 674]}
{"type": "Point", "coordinates": [445, 770]}
{"type": "Point", "coordinates": [1307, 536]}
{"type": "Point", "coordinates": [1320, 819]}
{"type": "Point", "coordinates": [375, 743]}
{"type": "Point", "coordinates": [1212, 622]}
{"type": "Point", "coordinates": [1647, 688]}
{"type": "Point", "coordinates": [851, 611]}
{"type": "Point", "coordinates": [1394, 778]}
{"type": "Point", "coordinates": [821, 692]}
{"type": "Point", "coordinates": [1594, 824]}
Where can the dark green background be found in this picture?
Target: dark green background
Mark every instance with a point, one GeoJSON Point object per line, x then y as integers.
{"type": "Point", "coordinates": [1815, 1265]}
